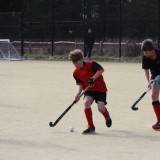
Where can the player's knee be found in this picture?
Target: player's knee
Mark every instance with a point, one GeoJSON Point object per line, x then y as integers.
{"type": "Point", "coordinates": [101, 109]}
{"type": "Point", "coordinates": [87, 104]}
{"type": "Point", "coordinates": [154, 97]}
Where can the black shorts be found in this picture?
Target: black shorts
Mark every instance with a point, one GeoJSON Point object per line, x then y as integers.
{"type": "Point", "coordinates": [97, 96]}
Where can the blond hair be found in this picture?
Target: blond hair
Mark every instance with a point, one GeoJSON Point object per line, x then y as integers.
{"type": "Point", "coordinates": [75, 55]}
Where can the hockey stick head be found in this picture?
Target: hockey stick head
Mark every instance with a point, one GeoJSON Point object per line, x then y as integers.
{"type": "Point", "coordinates": [134, 108]}
{"type": "Point", "coordinates": [52, 124]}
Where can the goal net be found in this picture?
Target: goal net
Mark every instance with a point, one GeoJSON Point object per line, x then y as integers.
{"type": "Point", "coordinates": [8, 51]}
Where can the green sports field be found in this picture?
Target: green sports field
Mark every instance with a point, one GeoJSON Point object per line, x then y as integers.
{"type": "Point", "coordinates": [33, 93]}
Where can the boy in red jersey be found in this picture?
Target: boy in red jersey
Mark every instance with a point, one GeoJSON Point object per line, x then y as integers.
{"type": "Point", "coordinates": [90, 73]}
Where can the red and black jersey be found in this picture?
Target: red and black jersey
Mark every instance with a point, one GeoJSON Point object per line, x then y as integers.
{"type": "Point", "coordinates": [152, 65]}
{"type": "Point", "coordinates": [82, 76]}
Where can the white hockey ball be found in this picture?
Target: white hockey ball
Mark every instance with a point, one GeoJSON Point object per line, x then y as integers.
{"type": "Point", "coordinates": [71, 129]}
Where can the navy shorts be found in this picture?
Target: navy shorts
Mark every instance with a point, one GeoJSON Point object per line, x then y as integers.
{"type": "Point", "coordinates": [97, 96]}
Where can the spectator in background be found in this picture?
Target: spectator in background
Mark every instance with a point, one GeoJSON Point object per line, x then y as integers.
{"type": "Point", "coordinates": [89, 41]}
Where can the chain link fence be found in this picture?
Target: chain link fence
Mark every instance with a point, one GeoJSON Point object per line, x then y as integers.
{"type": "Point", "coordinates": [38, 26]}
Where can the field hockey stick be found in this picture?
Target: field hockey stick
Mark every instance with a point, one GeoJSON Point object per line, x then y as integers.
{"type": "Point", "coordinates": [156, 81]}
{"type": "Point", "coordinates": [133, 107]}
{"type": "Point", "coordinates": [51, 124]}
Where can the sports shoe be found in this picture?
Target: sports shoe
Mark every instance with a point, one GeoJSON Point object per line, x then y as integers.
{"type": "Point", "coordinates": [108, 121]}
{"type": "Point", "coordinates": [156, 126]}
{"type": "Point", "coordinates": [89, 130]}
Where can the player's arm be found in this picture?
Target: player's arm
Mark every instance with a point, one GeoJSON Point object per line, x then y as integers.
{"type": "Point", "coordinates": [146, 66]}
{"type": "Point", "coordinates": [98, 72]}
{"type": "Point", "coordinates": [147, 75]}
{"type": "Point", "coordinates": [80, 88]}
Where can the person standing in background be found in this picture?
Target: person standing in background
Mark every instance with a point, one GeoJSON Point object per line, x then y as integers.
{"type": "Point", "coordinates": [89, 41]}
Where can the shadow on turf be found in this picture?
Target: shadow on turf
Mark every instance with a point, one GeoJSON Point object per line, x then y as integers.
{"type": "Point", "coordinates": [128, 134]}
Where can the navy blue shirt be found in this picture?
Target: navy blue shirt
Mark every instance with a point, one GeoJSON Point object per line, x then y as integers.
{"type": "Point", "coordinates": [152, 65]}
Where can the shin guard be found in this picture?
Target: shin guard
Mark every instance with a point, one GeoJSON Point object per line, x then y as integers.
{"type": "Point", "coordinates": [105, 113]}
{"type": "Point", "coordinates": [88, 114]}
{"type": "Point", "coordinates": [156, 107]}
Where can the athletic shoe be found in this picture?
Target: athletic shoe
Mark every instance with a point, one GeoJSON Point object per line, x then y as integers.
{"type": "Point", "coordinates": [108, 122]}
{"type": "Point", "coordinates": [156, 126]}
{"type": "Point", "coordinates": [89, 130]}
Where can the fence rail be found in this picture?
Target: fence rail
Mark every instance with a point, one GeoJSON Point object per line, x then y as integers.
{"type": "Point", "coordinates": [129, 49]}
